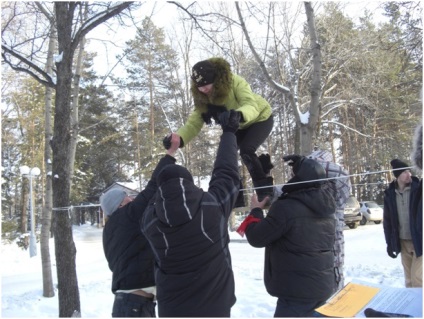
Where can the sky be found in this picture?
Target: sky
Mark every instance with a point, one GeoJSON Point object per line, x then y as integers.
{"type": "Point", "coordinates": [21, 280]}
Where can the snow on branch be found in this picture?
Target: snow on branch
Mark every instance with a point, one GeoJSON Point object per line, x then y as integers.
{"type": "Point", "coordinates": [31, 69]}
{"type": "Point", "coordinates": [99, 18]}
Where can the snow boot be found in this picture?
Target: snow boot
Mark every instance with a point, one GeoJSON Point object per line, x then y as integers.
{"type": "Point", "coordinates": [240, 200]}
{"type": "Point", "coordinates": [265, 160]}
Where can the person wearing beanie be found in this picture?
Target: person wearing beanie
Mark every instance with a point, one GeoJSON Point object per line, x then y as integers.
{"type": "Point", "coordinates": [402, 222]}
{"type": "Point", "coordinates": [298, 234]}
{"type": "Point", "coordinates": [127, 250]}
{"type": "Point", "coordinates": [341, 188]}
{"type": "Point", "coordinates": [187, 229]}
{"type": "Point", "coordinates": [215, 89]}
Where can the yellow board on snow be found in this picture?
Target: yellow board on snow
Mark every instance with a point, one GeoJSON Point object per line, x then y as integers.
{"type": "Point", "coordinates": [348, 301]}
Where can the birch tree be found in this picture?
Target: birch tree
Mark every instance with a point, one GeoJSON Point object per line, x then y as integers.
{"type": "Point", "coordinates": [22, 59]}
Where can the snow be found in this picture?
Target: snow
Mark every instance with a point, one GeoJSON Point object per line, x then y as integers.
{"type": "Point", "coordinates": [21, 280]}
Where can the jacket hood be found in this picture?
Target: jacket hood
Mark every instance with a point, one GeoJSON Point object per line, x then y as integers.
{"type": "Point", "coordinates": [318, 199]}
{"type": "Point", "coordinates": [307, 187]}
{"type": "Point", "coordinates": [221, 85]}
{"type": "Point", "coordinates": [177, 201]}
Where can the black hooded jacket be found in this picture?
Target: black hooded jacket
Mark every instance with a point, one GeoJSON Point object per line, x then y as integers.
{"type": "Point", "coordinates": [188, 231]}
{"type": "Point", "coordinates": [127, 251]}
{"type": "Point", "coordinates": [298, 234]}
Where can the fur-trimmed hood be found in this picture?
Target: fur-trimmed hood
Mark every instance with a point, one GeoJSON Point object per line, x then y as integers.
{"type": "Point", "coordinates": [222, 86]}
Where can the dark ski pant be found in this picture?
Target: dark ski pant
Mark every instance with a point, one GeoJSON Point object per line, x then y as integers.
{"type": "Point", "coordinates": [289, 308]}
{"type": "Point", "coordinates": [132, 305]}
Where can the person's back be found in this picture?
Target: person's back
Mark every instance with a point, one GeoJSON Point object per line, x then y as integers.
{"type": "Point", "coordinates": [188, 231]}
{"type": "Point", "coordinates": [298, 236]}
{"type": "Point", "coordinates": [128, 253]}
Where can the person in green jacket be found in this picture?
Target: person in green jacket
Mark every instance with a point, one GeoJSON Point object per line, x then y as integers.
{"type": "Point", "coordinates": [216, 89]}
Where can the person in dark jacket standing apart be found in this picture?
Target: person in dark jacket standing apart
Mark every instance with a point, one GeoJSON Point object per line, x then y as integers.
{"type": "Point", "coordinates": [402, 222]}
{"type": "Point", "coordinates": [127, 251]}
{"type": "Point", "coordinates": [298, 236]}
{"type": "Point", "coordinates": [216, 89]}
{"type": "Point", "coordinates": [188, 231]}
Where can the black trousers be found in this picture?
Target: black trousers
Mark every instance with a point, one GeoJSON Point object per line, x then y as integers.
{"type": "Point", "coordinates": [248, 141]}
{"type": "Point", "coordinates": [132, 305]}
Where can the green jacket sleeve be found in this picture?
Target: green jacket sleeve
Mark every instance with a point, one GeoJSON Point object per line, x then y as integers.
{"type": "Point", "coordinates": [191, 128]}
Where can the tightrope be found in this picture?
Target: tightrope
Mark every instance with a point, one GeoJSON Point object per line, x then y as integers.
{"type": "Point", "coordinates": [331, 178]}
{"type": "Point", "coordinates": [69, 208]}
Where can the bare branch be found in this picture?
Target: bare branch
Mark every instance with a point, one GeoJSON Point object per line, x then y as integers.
{"type": "Point", "coordinates": [46, 80]}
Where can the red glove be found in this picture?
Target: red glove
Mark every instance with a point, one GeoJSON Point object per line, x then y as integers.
{"type": "Point", "coordinates": [246, 222]}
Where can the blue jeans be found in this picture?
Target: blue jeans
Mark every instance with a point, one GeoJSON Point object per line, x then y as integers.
{"type": "Point", "coordinates": [131, 305]}
{"type": "Point", "coordinates": [289, 308]}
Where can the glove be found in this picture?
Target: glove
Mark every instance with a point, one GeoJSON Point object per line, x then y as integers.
{"type": "Point", "coordinates": [292, 159]}
{"type": "Point", "coordinates": [265, 160]}
{"type": "Point", "coordinates": [390, 252]}
{"type": "Point", "coordinates": [295, 161]}
{"type": "Point", "coordinates": [207, 118]}
{"type": "Point", "coordinates": [167, 142]}
{"type": "Point", "coordinates": [214, 111]}
{"type": "Point", "coordinates": [230, 121]}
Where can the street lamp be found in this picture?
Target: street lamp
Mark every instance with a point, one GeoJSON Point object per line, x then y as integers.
{"type": "Point", "coordinates": [30, 173]}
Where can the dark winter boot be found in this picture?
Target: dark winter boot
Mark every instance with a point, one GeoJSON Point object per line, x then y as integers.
{"type": "Point", "coordinates": [265, 160]}
{"type": "Point", "coordinates": [240, 197]}
{"type": "Point", "coordinates": [263, 191]}
{"type": "Point", "coordinates": [240, 200]}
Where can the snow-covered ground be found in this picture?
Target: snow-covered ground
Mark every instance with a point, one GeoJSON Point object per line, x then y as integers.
{"type": "Point", "coordinates": [21, 279]}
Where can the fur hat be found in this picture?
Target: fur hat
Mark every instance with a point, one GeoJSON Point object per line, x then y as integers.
{"type": "Point", "coordinates": [203, 73]}
{"type": "Point", "coordinates": [417, 151]}
{"type": "Point", "coordinates": [173, 171]}
{"type": "Point", "coordinates": [397, 165]}
{"type": "Point", "coordinates": [111, 200]}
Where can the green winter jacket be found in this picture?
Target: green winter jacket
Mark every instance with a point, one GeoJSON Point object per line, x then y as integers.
{"type": "Point", "coordinates": [231, 90]}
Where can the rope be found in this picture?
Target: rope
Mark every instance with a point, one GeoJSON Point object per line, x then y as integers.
{"type": "Point", "coordinates": [331, 178]}
{"type": "Point", "coordinates": [67, 209]}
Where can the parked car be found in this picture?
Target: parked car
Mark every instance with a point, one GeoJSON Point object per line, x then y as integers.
{"type": "Point", "coordinates": [371, 211]}
{"type": "Point", "coordinates": [352, 214]}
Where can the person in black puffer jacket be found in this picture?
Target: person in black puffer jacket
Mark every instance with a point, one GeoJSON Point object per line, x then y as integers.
{"type": "Point", "coordinates": [127, 251]}
{"type": "Point", "coordinates": [298, 236]}
{"type": "Point", "coordinates": [188, 231]}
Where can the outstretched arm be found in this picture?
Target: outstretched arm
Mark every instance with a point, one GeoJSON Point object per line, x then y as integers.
{"type": "Point", "coordinates": [141, 201]}
{"type": "Point", "coordinates": [225, 181]}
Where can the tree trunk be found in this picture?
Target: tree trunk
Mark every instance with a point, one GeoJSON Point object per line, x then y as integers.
{"type": "Point", "coordinates": [308, 131]}
{"type": "Point", "coordinates": [75, 95]}
{"type": "Point", "coordinates": [48, 289]}
{"type": "Point", "coordinates": [69, 300]}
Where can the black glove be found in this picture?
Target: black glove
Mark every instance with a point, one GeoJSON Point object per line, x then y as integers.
{"type": "Point", "coordinates": [292, 159]}
{"type": "Point", "coordinates": [295, 161]}
{"type": "Point", "coordinates": [230, 121]}
{"type": "Point", "coordinates": [265, 160]}
{"type": "Point", "coordinates": [167, 142]}
{"type": "Point", "coordinates": [215, 111]}
{"type": "Point", "coordinates": [390, 252]}
{"type": "Point", "coordinates": [207, 118]}
{"type": "Point", "coordinates": [371, 313]}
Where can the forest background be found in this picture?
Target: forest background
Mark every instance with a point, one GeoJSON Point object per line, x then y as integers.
{"type": "Point", "coordinates": [350, 86]}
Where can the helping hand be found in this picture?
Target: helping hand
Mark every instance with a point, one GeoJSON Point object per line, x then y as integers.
{"type": "Point", "coordinates": [254, 203]}
{"type": "Point", "coordinates": [230, 121]}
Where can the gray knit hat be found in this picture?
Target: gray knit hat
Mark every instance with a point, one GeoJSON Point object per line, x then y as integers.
{"type": "Point", "coordinates": [111, 200]}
